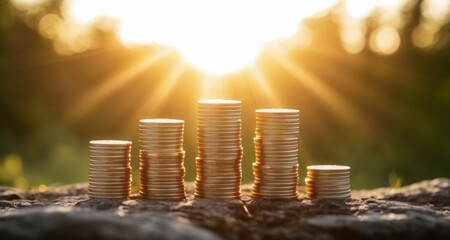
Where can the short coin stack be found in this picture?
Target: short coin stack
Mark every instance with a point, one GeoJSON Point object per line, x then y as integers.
{"type": "Point", "coordinates": [328, 181]}
{"type": "Point", "coordinates": [161, 159]}
{"type": "Point", "coordinates": [219, 149]}
{"type": "Point", "coordinates": [276, 149]}
{"type": "Point", "coordinates": [109, 169]}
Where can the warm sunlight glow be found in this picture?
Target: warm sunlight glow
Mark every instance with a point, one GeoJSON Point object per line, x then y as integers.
{"type": "Point", "coordinates": [215, 36]}
{"type": "Point", "coordinates": [359, 9]}
{"type": "Point", "coordinates": [220, 37]}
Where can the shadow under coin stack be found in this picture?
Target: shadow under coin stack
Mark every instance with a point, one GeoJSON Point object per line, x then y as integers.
{"type": "Point", "coordinates": [328, 181]}
{"type": "Point", "coordinates": [109, 169]}
{"type": "Point", "coordinates": [219, 149]}
{"type": "Point", "coordinates": [161, 159]}
{"type": "Point", "coordinates": [276, 150]}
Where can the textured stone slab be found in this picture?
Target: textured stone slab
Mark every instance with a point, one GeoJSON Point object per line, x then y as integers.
{"type": "Point", "coordinates": [418, 211]}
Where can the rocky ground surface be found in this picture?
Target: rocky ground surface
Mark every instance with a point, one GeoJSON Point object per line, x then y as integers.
{"type": "Point", "coordinates": [417, 211]}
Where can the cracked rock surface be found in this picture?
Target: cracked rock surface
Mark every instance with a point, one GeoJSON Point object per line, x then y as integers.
{"type": "Point", "coordinates": [417, 211]}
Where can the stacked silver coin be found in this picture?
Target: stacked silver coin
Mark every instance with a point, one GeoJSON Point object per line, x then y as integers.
{"type": "Point", "coordinates": [219, 149]}
{"type": "Point", "coordinates": [109, 169]}
{"type": "Point", "coordinates": [328, 181]}
{"type": "Point", "coordinates": [276, 150]}
{"type": "Point", "coordinates": [161, 159]}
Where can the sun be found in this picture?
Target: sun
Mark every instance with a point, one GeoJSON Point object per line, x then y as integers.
{"type": "Point", "coordinates": [218, 57]}
{"type": "Point", "coordinates": [216, 37]}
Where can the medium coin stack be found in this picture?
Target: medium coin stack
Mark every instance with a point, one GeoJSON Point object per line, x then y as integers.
{"type": "Point", "coordinates": [328, 181]}
{"type": "Point", "coordinates": [109, 169]}
{"type": "Point", "coordinates": [276, 150]}
{"type": "Point", "coordinates": [161, 159]}
{"type": "Point", "coordinates": [219, 149]}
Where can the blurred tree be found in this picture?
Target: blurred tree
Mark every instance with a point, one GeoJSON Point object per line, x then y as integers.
{"type": "Point", "coordinates": [384, 115]}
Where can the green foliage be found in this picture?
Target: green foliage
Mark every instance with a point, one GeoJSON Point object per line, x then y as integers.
{"type": "Point", "coordinates": [398, 118]}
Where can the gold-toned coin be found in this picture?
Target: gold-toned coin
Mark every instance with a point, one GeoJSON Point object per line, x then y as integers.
{"type": "Point", "coordinates": [174, 160]}
{"type": "Point", "coordinates": [179, 178]}
{"type": "Point", "coordinates": [161, 156]}
{"type": "Point", "coordinates": [328, 178]}
{"type": "Point", "coordinates": [216, 159]}
{"type": "Point", "coordinates": [163, 168]}
{"type": "Point", "coordinates": [235, 178]}
{"type": "Point", "coordinates": [290, 162]}
{"type": "Point", "coordinates": [328, 168]}
{"type": "Point", "coordinates": [108, 165]}
{"type": "Point", "coordinates": [162, 192]}
{"type": "Point", "coordinates": [163, 189]}
{"type": "Point", "coordinates": [168, 159]}
{"type": "Point", "coordinates": [165, 184]}
{"type": "Point", "coordinates": [212, 170]}
{"type": "Point", "coordinates": [109, 161]}
{"type": "Point", "coordinates": [104, 184]}
{"type": "Point", "coordinates": [94, 155]}
{"type": "Point", "coordinates": [217, 165]}
{"type": "Point", "coordinates": [214, 182]}
{"type": "Point", "coordinates": [275, 182]}
{"type": "Point", "coordinates": [328, 181]}
{"type": "Point", "coordinates": [256, 194]}
{"type": "Point", "coordinates": [108, 189]}
{"type": "Point", "coordinates": [162, 121]}
{"type": "Point", "coordinates": [228, 151]}
{"type": "Point", "coordinates": [152, 196]}
{"type": "Point", "coordinates": [219, 149]}
{"type": "Point", "coordinates": [123, 190]}
{"type": "Point", "coordinates": [108, 143]}
{"type": "Point", "coordinates": [276, 153]}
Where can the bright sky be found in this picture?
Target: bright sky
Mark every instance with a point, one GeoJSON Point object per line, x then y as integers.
{"type": "Point", "coordinates": [221, 36]}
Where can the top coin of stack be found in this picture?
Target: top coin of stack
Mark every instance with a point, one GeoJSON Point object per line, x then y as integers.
{"type": "Point", "coordinates": [219, 149]}
{"type": "Point", "coordinates": [328, 181]}
{"type": "Point", "coordinates": [109, 169]}
{"type": "Point", "coordinates": [276, 149]}
{"type": "Point", "coordinates": [161, 159]}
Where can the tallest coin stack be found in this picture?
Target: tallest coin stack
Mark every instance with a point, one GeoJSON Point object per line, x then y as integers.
{"type": "Point", "coordinates": [219, 149]}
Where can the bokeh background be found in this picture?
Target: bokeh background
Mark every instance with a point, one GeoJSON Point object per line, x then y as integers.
{"type": "Point", "coordinates": [371, 78]}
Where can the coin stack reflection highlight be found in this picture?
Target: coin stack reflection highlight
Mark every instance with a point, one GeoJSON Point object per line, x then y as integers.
{"type": "Point", "coordinates": [328, 181]}
{"type": "Point", "coordinates": [161, 159]}
{"type": "Point", "coordinates": [109, 169]}
{"type": "Point", "coordinates": [276, 150]}
{"type": "Point", "coordinates": [219, 149]}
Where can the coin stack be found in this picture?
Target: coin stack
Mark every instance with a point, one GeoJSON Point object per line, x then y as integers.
{"type": "Point", "coordinates": [276, 150]}
{"type": "Point", "coordinates": [328, 181]}
{"type": "Point", "coordinates": [161, 159]}
{"type": "Point", "coordinates": [219, 149]}
{"type": "Point", "coordinates": [109, 169]}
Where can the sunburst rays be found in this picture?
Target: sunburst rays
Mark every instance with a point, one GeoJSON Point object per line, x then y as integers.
{"type": "Point", "coordinates": [324, 93]}
{"type": "Point", "coordinates": [157, 98]}
{"type": "Point", "coordinates": [98, 94]}
{"type": "Point", "coordinates": [260, 89]}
